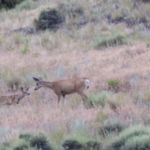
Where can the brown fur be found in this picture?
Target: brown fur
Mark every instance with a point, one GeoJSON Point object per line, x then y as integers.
{"type": "Point", "coordinates": [64, 87]}
{"type": "Point", "coordinates": [14, 97]}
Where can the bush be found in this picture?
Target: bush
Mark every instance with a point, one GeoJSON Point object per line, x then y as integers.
{"type": "Point", "coordinates": [100, 98]}
{"type": "Point", "coordinates": [76, 145]}
{"type": "Point", "coordinates": [112, 125]}
{"type": "Point", "coordinates": [49, 19]}
{"type": "Point", "coordinates": [71, 14]}
{"type": "Point", "coordinates": [21, 145]}
{"type": "Point", "coordinates": [138, 143]}
{"type": "Point", "coordinates": [134, 138]}
{"type": "Point", "coordinates": [28, 142]}
{"type": "Point", "coordinates": [9, 3]}
{"type": "Point", "coordinates": [113, 85]}
{"type": "Point", "coordinates": [81, 141]}
{"type": "Point", "coordinates": [25, 137]}
{"type": "Point", "coordinates": [113, 39]}
{"type": "Point", "coordinates": [72, 145]}
{"type": "Point", "coordinates": [40, 142]}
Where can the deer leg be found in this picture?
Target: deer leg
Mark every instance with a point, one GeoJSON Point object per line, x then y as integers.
{"type": "Point", "coordinates": [18, 100]}
{"type": "Point", "coordinates": [59, 96]}
{"type": "Point", "coordinates": [85, 99]}
{"type": "Point", "coordinates": [83, 96]}
{"type": "Point", "coordinates": [63, 94]}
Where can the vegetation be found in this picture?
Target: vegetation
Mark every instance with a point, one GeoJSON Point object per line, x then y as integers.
{"type": "Point", "coordinates": [100, 98]}
{"type": "Point", "coordinates": [28, 142]}
{"type": "Point", "coordinates": [111, 126]}
{"type": "Point", "coordinates": [134, 138]}
{"type": "Point", "coordinates": [110, 40]}
{"type": "Point", "coordinates": [9, 3]}
{"type": "Point", "coordinates": [105, 40]}
{"type": "Point", "coordinates": [49, 19]}
{"type": "Point", "coordinates": [113, 85]}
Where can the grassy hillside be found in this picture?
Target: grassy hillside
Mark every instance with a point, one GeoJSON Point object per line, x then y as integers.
{"type": "Point", "coordinates": [107, 41]}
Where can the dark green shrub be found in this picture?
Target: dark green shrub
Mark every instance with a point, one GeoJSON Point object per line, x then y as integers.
{"type": "Point", "coordinates": [49, 19]}
{"type": "Point", "coordinates": [76, 145]}
{"type": "Point", "coordinates": [72, 145]}
{"type": "Point", "coordinates": [70, 14]}
{"type": "Point", "coordinates": [9, 3]}
{"type": "Point", "coordinates": [40, 142]}
{"type": "Point", "coordinates": [134, 138]}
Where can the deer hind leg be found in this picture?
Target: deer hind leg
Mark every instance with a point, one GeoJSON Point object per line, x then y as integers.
{"type": "Point", "coordinates": [63, 94]}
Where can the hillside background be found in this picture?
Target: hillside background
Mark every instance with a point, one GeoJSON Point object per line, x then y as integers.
{"type": "Point", "coordinates": [107, 41]}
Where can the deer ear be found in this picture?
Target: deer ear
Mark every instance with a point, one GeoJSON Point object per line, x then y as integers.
{"type": "Point", "coordinates": [35, 79]}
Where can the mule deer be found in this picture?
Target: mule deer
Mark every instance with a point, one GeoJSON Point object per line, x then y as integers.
{"type": "Point", "coordinates": [14, 97]}
{"type": "Point", "coordinates": [65, 87]}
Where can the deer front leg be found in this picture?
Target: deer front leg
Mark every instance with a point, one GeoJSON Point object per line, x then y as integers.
{"type": "Point", "coordinates": [59, 96]}
{"type": "Point", "coordinates": [86, 102]}
{"type": "Point", "coordinates": [83, 96]}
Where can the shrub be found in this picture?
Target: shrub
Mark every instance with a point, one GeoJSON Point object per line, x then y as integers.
{"type": "Point", "coordinates": [40, 142]}
{"type": "Point", "coordinates": [138, 143]}
{"type": "Point", "coordinates": [76, 145]}
{"type": "Point", "coordinates": [9, 3]}
{"type": "Point", "coordinates": [111, 125]}
{"type": "Point", "coordinates": [49, 19]}
{"type": "Point", "coordinates": [113, 85]}
{"type": "Point", "coordinates": [113, 39]}
{"type": "Point", "coordinates": [25, 137]}
{"type": "Point", "coordinates": [21, 145]}
{"type": "Point", "coordinates": [71, 14]}
{"type": "Point", "coordinates": [72, 145]}
{"type": "Point", "coordinates": [100, 98]}
{"type": "Point", "coordinates": [131, 138]}
{"type": "Point", "coordinates": [81, 141]}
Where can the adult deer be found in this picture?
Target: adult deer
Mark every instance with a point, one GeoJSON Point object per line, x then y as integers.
{"type": "Point", "coordinates": [14, 97]}
{"type": "Point", "coordinates": [64, 87]}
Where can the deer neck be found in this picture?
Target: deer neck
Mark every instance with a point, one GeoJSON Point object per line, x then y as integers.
{"type": "Point", "coordinates": [47, 84]}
